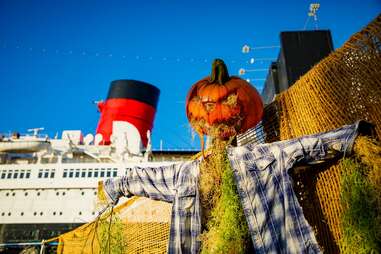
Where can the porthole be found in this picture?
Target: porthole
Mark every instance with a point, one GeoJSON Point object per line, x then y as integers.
{"type": "Point", "coordinates": [38, 194]}
{"type": "Point", "coordinates": [93, 213]}
{"type": "Point", "coordinates": [41, 213]}
{"type": "Point", "coordinates": [57, 193]}
{"type": "Point", "coordinates": [9, 214]}
{"type": "Point", "coordinates": [95, 193]}
{"type": "Point", "coordinates": [63, 193]}
{"type": "Point", "coordinates": [83, 193]}
{"type": "Point", "coordinates": [22, 214]}
{"type": "Point", "coordinates": [13, 194]}
{"type": "Point", "coordinates": [2, 214]}
{"type": "Point", "coordinates": [7, 194]}
{"type": "Point", "coordinates": [60, 213]}
{"type": "Point", "coordinates": [35, 213]}
{"type": "Point", "coordinates": [80, 213]}
{"type": "Point", "coordinates": [26, 193]}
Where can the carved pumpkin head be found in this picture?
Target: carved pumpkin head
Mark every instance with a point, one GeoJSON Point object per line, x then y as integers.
{"type": "Point", "coordinates": [223, 106]}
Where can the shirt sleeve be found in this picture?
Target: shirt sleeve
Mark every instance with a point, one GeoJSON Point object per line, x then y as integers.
{"type": "Point", "coordinates": [153, 182]}
{"type": "Point", "coordinates": [317, 148]}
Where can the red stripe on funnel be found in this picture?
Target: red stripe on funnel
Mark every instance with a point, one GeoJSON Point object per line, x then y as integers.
{"type": "Point", "coordinates": [140, 114]}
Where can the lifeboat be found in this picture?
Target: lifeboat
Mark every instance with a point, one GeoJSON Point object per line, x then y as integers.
{"type": "Point", "coordinates": [23, 145]}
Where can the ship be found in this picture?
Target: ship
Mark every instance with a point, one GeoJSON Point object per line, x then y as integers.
{"type": "Point", "coordinates": [48, 186]}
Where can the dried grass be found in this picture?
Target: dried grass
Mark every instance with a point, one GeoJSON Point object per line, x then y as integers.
{"type": "Point", "coordinates": [111, 233]}
{"type": "Point", "coordinates": [361, 199]}
{"type": "Point", "coordinates": [226, 227]}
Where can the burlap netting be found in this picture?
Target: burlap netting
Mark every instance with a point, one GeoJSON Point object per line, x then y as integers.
{"type": "Point", "coordinates": [145, 230]}
{"type": "Point", "coordinates": [342, 88]}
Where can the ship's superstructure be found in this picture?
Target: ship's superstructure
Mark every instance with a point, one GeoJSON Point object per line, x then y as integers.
{"type": "Point", "coordinates": [48, 186]}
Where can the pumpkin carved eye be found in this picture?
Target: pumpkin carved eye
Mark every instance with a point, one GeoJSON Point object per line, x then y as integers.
{"type": "Point", "coordinates": [231, 100]}
{"type": "Point", "coordinates": [223, 106]}
{"type": "Point", "coordinates": [209, 106]}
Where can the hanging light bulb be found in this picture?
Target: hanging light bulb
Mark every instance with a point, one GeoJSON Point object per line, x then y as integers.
{"type": "Point", "coordinates": [245, 49]}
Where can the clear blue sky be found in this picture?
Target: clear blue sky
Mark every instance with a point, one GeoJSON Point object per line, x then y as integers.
{"type": "Point", "coordinates": [56, 57]}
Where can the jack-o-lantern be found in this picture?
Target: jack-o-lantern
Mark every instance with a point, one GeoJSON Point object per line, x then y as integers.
{"type": "Point", "coordinates": [222, 106]}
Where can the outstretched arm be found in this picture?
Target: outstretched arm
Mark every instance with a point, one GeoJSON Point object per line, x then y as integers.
{"type": "Point", "coordinates": [159, 183]}
{"type": "Point", "coordinates": [324, 146]}
{"type": "Point", "coordinates": [320, 147]}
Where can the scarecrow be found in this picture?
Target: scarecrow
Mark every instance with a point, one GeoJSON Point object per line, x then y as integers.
{"type": "Point", "coordinates": [233, 199]}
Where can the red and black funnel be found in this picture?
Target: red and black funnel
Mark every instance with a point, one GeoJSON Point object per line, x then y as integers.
{"type": "Point", "coordinates": [131, 101]}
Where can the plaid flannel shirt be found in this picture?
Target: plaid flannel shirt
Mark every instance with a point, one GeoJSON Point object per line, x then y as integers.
{"type": "Point", "coordinates": [275, 218]}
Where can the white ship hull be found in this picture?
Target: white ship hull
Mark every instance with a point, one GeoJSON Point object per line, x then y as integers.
{"type": "Point", "coordinates": [54, 193]}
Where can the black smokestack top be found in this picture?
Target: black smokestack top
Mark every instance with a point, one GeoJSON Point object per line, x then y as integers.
{"type": "Point", "coordinates": [134, 89]}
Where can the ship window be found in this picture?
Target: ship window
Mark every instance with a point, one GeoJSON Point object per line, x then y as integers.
{"type": "Point", "coordinates": [41, 213]}
{"type": "Point", "coordinates": [3, 174]}
{"type": "Point", "coordinates": [71, 173]}
{"type": "Point", "coordinates": [9, 174]}
{"type": "Point", "coordinates": [60, 213]}
{"type": "Point", "coordinates": [63, 193]}
{"type": "Point", "coordinates": [26, 194]}
{"type": "Point", "coordinates": [83, 174]}
{"type": "Point", "coordinates": [27, 174]}
{"type": "Point", "coordinates": [46, 174]}
{"type": "Point", "coordinates": [22, 173]}
{"type": "Point", "coordinates": [77, 172]}
{"type": "Point", "coordinates": [39, 173]}
{"type": "Point", "coordinates": [16, 174]}
{"type": "Point", "coordinates": [9, 214]}
{"type": "Point", "coordinates": [22, 214]}
{"type": "Point", "coordinates": [2, 214]}
{"type": "Point", "coordinates": [38, 194]}
{"type": "Point", "coordinates": [108, 172]}
{"type": "Point", "coordinates": [35, 213]}
{"type": "Point", "coordinates": [83, 193]}
{"type": "Point", "coordinates": [13, 194]}
{"type": "Point", "coordinates": [80, 213]}
{"type": "Point", "coordinates": [54, 213]}
{"type": "Point", "coordinates": [96, 173]}
{"type": "Point", "coordinates": [64, 173]}
{"type": "Point", "coordinates": [7, 194]}
{"type": "Point", "coordinates": [52, 173]}
{"type": "Point", "coordinates": [102, 172]}
{"type": "Point", "coordinates": [90, 172]}
{"type": "Point", "coordinates": [115, 172]}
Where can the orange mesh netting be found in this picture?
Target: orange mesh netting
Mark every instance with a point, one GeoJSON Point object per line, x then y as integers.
{"type": "Point", "coordinates": [139, 225]}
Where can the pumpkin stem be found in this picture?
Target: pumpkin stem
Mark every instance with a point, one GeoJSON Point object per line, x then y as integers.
{"type": "Point", "coordinates": [219, 73]}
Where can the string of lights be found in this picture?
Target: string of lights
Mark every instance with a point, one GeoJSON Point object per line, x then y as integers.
{"type": "Point", "coordinates": [125, 57]}
{"type": "Point", "coordinates": [246, 49]}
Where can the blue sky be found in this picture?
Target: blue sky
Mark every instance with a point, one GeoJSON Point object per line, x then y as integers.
{"type": "Point", "coordinates": [57, 57]}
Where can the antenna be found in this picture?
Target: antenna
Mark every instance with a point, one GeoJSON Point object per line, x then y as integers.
{"type": "Point", "coordinates": [314, 7]}
{"type": "Point", "coordinates": [36, 130]}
